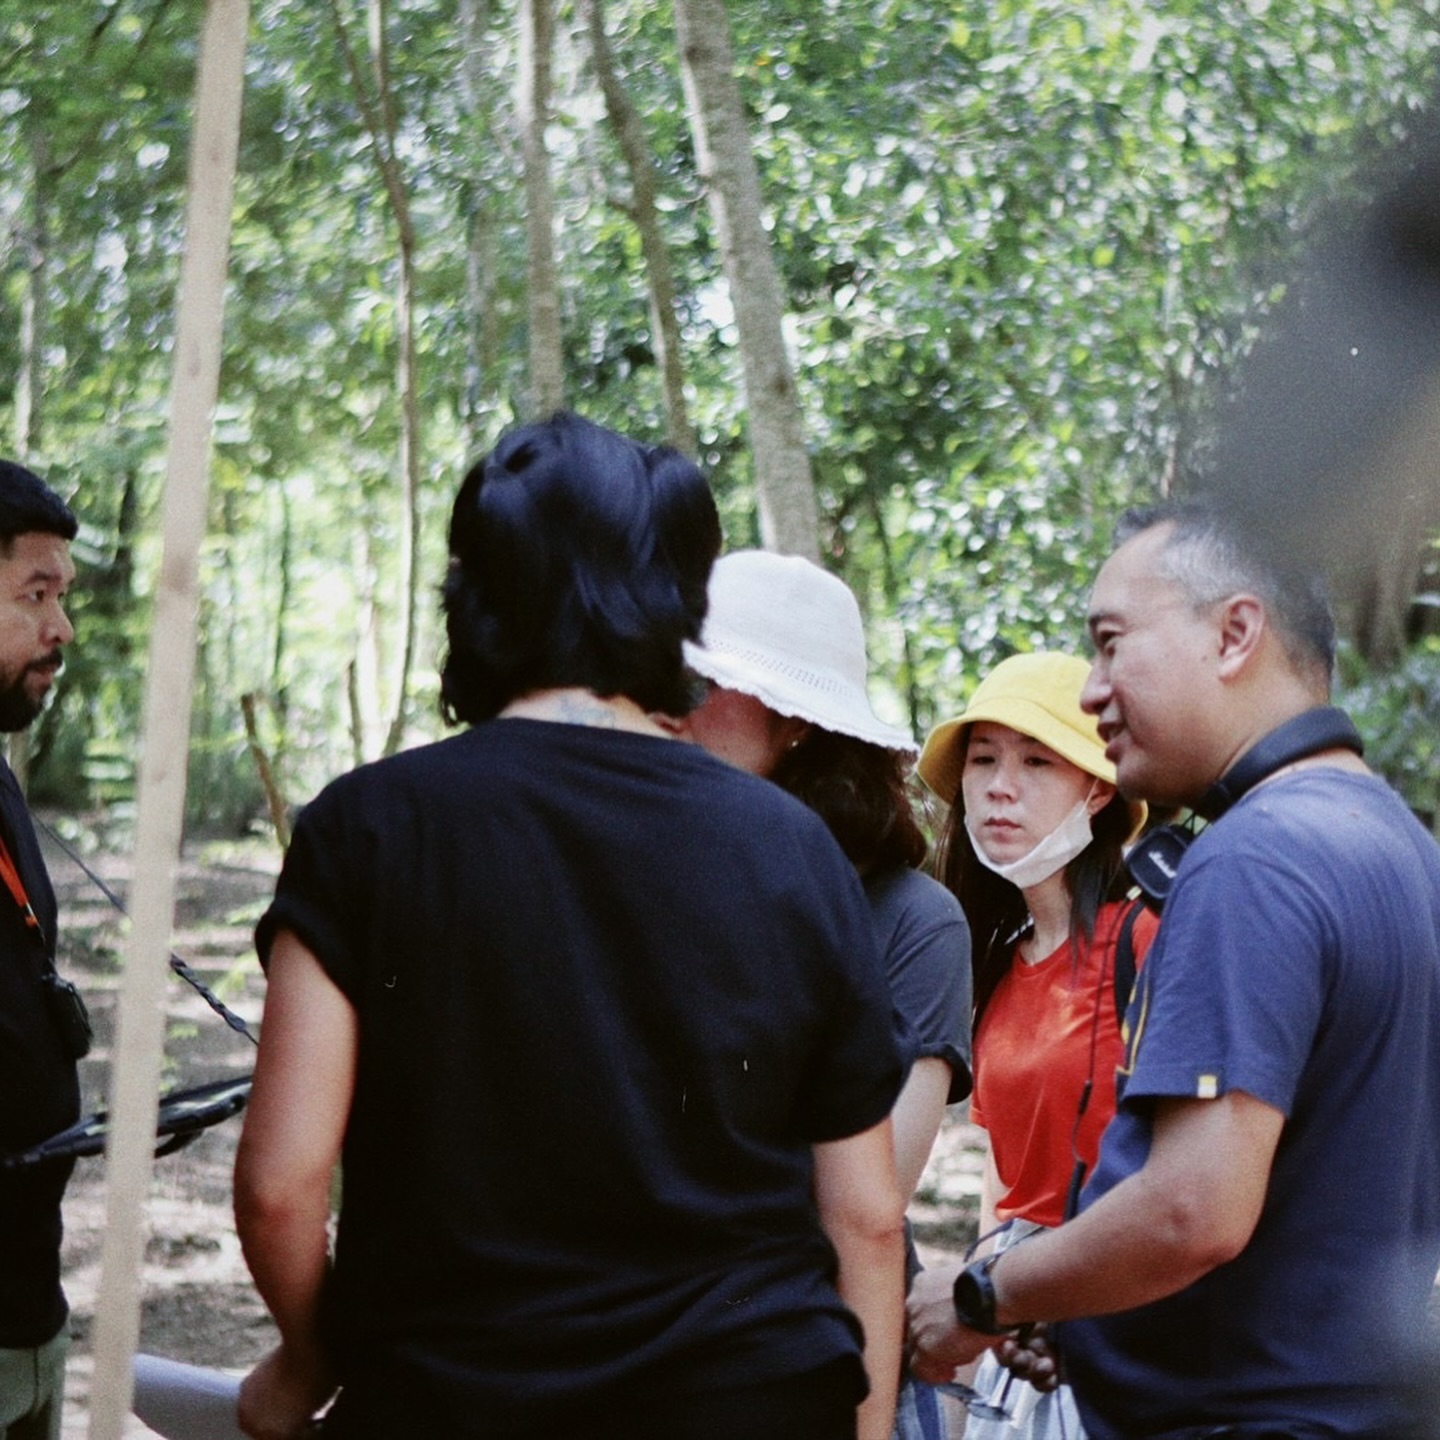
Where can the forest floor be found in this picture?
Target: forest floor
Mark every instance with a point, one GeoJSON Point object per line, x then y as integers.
{"type": "Point", "coordinates": [198, 1302]}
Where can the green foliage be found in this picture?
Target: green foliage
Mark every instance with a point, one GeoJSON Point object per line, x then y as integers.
{"type": "Point", "coordinates": [1024, 245]}
{"type": "Point", "coordinates": [1396, 711]}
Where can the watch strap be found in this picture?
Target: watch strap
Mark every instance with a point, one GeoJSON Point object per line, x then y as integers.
{"type": "Point", "coordinates": [975, 1299]}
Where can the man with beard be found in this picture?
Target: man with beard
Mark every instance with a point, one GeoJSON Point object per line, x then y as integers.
{"type": "Point", "coordinates": [41, 1033]}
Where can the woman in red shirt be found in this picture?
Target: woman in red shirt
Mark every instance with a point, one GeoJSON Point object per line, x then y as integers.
{"type": "Point", "coordinates": [1033, 849]}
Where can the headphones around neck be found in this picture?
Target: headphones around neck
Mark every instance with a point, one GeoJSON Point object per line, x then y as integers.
{"type": "Point", "coordinates": [1154, 858]}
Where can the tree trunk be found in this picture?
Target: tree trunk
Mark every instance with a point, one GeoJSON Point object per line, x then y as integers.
{"type": "Point", "coordinates": [160, 796]}
{"type": "Point", "coordinates": [784, 484]}
{"type": "Point", "coordinates": [547, 355]}
{"type": "Point", "coordinates": [377, 104]}
{"type": "Point", "coordinates": [274, 797]}
{"type": "Point", "coordinates": [890, 583]}
{"type": "Point", "coordinates": [664, 323]}
{"type": "Point", "coordinates": [284, 598]}
{"type": "Point", "coordinates": [480, 247]}
{"type": "Point", "coordinates": [363, 687]}
{"type": "Point", "coordinates": [35, 243]}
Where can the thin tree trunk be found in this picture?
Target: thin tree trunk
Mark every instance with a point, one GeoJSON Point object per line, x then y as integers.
{"type": "Point", "coordinates": [480, 246]}
{"type": "Point", "coordinates": [355, 713]}
{"type": "Point", "coordinates": [480, 289]}
{"type": "Point", "coordinates": [375, 98]}
{"type": "Point", "coordinates": [639, 160]}
{"type": "Point", "coordinates": [139, 1035]}
{"type": "Point", "coordinates": [366, 668]}
{"type": "Point", "coordinates": [274, 799]}
{"type": "Point", "coordinates": [784, 483]}
{"type": "Point", "coordinates": [547, 355]}
{"type": "Point", "coordinates": [890, 583]}
{"type": "Point", "coordinates": [34, 307]}
{"type": "Point", "coordinates": [279, 691]}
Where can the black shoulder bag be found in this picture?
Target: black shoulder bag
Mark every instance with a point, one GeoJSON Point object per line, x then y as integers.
{"type": "Point", "coordinates": [62, 999]}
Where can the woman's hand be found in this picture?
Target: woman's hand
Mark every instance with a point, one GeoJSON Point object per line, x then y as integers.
{"type": "Point", "coordinates": [280, 1396]}
{"type": "Point", "coordinates": [939, 1344]}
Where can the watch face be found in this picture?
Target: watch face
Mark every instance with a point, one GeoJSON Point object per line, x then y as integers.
{"type": "Point", "coordinates": [975, 1300]}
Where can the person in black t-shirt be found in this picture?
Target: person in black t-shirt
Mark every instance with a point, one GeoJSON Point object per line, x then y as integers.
{"type": "Point", "coordinates": [596, 1021]}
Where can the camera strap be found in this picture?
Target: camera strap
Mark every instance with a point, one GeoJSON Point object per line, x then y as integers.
{"type": "Point", "coordinates": [16, 886]}
{"type": "Point", "coordinates": [182, 1114]}
{"type": "Point", "coordinates": [177, 965]}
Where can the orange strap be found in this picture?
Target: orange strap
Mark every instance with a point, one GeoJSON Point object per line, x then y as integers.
{"type": "Point", "coordinates": [15, 886]}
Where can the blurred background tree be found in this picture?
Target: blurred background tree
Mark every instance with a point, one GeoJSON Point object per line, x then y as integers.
{"type": "Point", "coordinates": [1021, 249]}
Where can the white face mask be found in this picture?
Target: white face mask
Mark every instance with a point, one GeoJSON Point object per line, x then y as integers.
{"type": "Point", "coordinates": [1053, 853]}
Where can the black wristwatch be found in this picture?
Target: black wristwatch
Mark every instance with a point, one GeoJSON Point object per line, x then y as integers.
{"type": "Point", "coordinates": [975, 1299]}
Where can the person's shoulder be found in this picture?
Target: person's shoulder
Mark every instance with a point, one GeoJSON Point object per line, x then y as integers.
{"type": "Point", "coordinates": [913, 911]}
{"type": "Point", "coordinates": [1113, 914]}
{"type": "Point", "coordinates": [386, 776]}
{"type": "Point", "coordinates": [1307, 830]}
{"type": "Point", "coordinates": [1114, 917]}
{"type": "Point", "coordinates": [9, 785]}
{"type": "Point", "coordinates": [727, 784]}
{"type": "Point", "coordinates": [903, 889]}
{"type": "Point", "coordinates": [1319, 806]}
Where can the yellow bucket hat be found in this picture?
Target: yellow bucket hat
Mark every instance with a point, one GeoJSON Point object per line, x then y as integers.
{"type": "Point", "coordinates": [1038, 695]}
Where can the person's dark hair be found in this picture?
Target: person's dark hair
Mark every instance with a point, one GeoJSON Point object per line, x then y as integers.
{"type": "Point", "coordinates": [29, 506]}
{"type": "Point", "coordinates": [995, 907]}
{"type": "Point", "coordinates": [1210, 557]}
{"type": "Point", "coordinates": [860, 791]}
{"type": "Point", "coordinates": [577, 557]}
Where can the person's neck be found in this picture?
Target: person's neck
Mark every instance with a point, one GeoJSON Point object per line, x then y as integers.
{"type": "Point", "coordinates": [1292, 704]}
{"type": "Point", "coordinates": [574, 705]}
{"type": "Point", "coordinates": [1049, 906]}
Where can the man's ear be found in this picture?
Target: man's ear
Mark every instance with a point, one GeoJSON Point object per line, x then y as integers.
{"type": "Point", "coordinates": [1243, 625]}
{"type": "Point", "coordinates": [673, 725]}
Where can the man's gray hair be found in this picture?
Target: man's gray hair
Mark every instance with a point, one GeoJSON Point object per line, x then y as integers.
{"type": "Point", "coordinates": [1209, 558]}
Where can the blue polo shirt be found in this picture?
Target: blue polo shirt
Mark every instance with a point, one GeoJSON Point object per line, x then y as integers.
{"type": "Point", "coordinates": [1298, 961]}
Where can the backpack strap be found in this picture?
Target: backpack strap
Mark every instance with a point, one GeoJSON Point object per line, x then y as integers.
{"type": "Point", "coordinates": [1125, 966]}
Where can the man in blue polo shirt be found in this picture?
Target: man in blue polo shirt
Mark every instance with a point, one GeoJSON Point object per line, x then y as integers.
{"type": "Point", "coordinates": [1256, 1250]}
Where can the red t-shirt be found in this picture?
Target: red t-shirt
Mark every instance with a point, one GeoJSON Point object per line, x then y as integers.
{"type": "Point", "coordinates": [1032, 1058]}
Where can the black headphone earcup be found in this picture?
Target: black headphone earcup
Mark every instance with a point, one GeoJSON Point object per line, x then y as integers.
{"type": "Point", "coordinates": [1153, 860]}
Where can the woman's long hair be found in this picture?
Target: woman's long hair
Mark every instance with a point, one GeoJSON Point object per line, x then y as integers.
{"type": "Point", "coordinates": [577, 557]}
{"type": "Point", "coordinates": [996, 908]}
{"type": "Point", "coordinates": [861, 792]}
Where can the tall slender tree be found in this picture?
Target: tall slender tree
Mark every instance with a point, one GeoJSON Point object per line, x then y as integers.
{"type": "Point", "coordinates": [629, 131]}
{"type": "Point", "coordinates": [547, 354]}
{"type": "Point", "coordinates": [784, 484]}
{"type": "Point", "coordinates": [477, 213]}
{"type": "Point", "coordinates": [375, 96]}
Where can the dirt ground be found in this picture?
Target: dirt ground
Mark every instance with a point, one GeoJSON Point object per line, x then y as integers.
{"type": "Point", "coordinates": [198, 1303]}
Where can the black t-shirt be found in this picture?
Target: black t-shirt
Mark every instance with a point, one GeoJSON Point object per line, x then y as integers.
{"type": "Point", "coordinates": [610, 992]}
{"type": "Point", "coordinates": [39, 1096]}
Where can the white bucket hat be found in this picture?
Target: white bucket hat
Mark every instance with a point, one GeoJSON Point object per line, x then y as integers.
{"type": "Point", "coordinates": [781, 629]}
